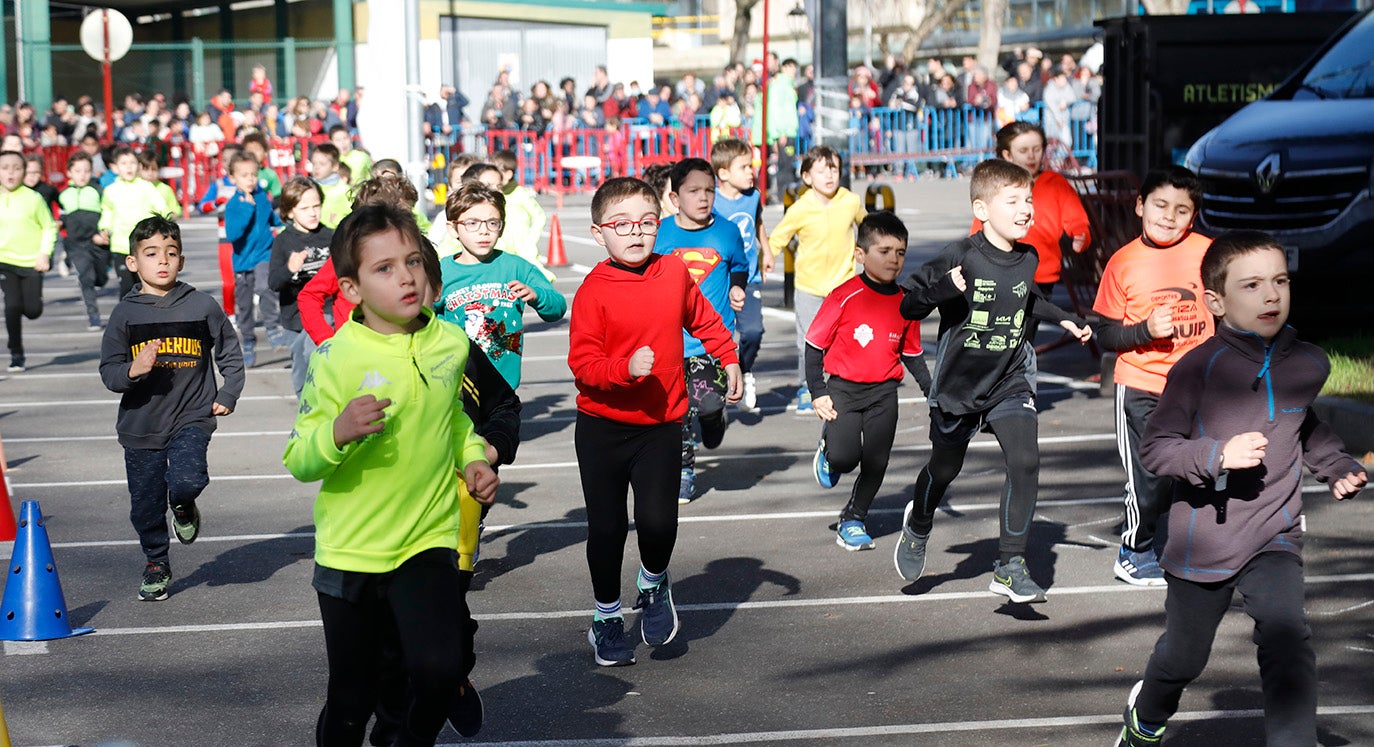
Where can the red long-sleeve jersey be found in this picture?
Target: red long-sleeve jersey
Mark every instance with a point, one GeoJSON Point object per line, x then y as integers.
{"type": "Point", "coordinates": [619, 311]}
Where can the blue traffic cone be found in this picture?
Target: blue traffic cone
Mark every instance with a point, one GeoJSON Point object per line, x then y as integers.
{"type": "Point", "coordinates": [33, 608]}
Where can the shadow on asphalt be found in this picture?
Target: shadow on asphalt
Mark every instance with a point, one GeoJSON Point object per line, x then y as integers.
{"type": "Point", "coordinates": [526, 545]}
{"type": "Point", "coordinates": [252, 562]}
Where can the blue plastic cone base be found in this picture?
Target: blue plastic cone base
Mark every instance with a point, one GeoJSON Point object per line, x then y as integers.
{"type": "Point", "coordinates": [33, 608]}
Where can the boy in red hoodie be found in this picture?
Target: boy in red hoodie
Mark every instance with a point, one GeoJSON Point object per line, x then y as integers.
{"type": "Point", "coordinates": [625, 352]}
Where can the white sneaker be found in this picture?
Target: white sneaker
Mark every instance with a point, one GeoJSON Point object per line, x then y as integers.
{"type": "Point", "coordinates": [750, 401]}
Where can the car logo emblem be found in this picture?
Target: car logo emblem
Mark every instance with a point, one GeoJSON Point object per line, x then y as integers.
{"type": "Point", "coordinates": [1268, 173]}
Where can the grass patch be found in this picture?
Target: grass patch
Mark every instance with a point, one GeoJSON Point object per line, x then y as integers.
{"type": "Point", "coordinates": [1352, 368]}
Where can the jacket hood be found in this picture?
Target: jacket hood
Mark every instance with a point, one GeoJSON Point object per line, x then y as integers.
{"type": "Point", "coordinates": [175, 296]}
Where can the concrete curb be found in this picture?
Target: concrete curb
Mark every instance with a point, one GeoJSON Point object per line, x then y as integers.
{"type": "Point", "coordinates": [1353, 422]}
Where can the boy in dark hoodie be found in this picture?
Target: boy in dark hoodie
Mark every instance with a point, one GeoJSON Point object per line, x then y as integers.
{"type": "Point", "coordinates": [156, 353]}
{"type": "Point", "coordinates": [1234, 427]}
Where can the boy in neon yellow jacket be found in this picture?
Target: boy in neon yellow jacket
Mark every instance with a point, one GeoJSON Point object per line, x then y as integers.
{"type": "Point", "coordinates": [381, 422]}
{"type": "Point", "coordinates": [27, 236]}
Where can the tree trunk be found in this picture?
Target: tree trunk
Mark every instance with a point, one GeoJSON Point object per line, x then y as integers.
{"type": "Point", "coordinates": [990, 36]}
{"type": "Point", "coordinates": [744, 18]}
{"type": "Point", "coordinates": [934, 18]}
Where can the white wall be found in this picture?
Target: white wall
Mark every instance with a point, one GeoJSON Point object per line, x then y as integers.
{"type": "Point", "coordinates": [630, 59]}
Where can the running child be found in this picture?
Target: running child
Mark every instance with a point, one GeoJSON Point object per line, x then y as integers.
{"type": "Point", "coordinates": [738, 200]}
{"type": "Point", "coordinates": [387, 445]}
{"type": "Point", "coordinates": [156, 354]}
{"type": "Point", "coordinates": [485, 290]}
{"type": "Point", "coordinates": [298, 253]}
{"type": "Point", "coordinates": [126, 201]}
{"type": "Point", "coordinates": [659, 176]}
{"type": "Point", "coordinates": [625, 352]}
{"type": "Point", "coordinates": [438, 233]}
{"type": "Point", "coordinates": [359, 161]}
{"type": "Point", "coordinates": [711, 248]}
{"type": "Point", "coordinates": [148, 170]}
{"type": "Point", "coordinates": [324, 168]}
{"type": "Point", "coordinates": [1234, 427]}
{"type": "Point", "coordinates": [256, 145]}
{"type": "Point", "coordinates": [80, 204]}
{"type": "Point", "coordinates": [984, 287]}
{"type": "Point", "coordinates": [27, 237]}
{"type": "Point", "coordinates": [525, 218]}
{"type": "Point", "coordinates": [861, 340]}
{"type": "Point", "coordinates": [248, 223]}
{"type": "Point", "coordinates": [1151, 305]}
{"type": "Point", "coordinates": [823, 220]}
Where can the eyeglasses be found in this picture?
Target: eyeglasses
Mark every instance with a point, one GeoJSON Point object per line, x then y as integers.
{"type": "Point", "coordinates": [647, 227]}
{"type": "Point", "coordinates": [492, 225]}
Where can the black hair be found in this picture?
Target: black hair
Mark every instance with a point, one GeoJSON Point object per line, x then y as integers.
{"type": "Point", "coordinates": [881, 223]}
{"type": "Point", "coordinates": [154, 225]}
{"type": "Point", "coordinates": [1176, 177]}
{"type": "Point", "coordinates": [686, 166]}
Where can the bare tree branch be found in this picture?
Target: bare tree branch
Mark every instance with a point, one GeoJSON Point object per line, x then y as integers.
{"type": "Point", "coordinates": [935, 17]}
{"type": "Point", "coordinates": [744, 18]}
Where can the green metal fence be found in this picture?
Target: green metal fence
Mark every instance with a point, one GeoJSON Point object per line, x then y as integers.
{"type": "Point", "coordinates": [196, 69]}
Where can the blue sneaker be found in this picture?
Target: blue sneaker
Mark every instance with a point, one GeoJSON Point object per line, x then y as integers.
{"type": "Point", "coordinates": [825, 477]}
{"type": "Point", "coordinates": [852, 536]}
{"type": "Point", "coordinates": [609, 645]}
{"type": "Point", "coordinates": [804, 401]}
{"type": "Point", "coordinates": [1138, 568]}
{"type": "Point", "coordinates": [686, 487]}
{"type": "Point", "coordinates": [658, 622]}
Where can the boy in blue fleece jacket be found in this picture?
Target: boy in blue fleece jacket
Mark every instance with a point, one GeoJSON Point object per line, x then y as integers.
{"type": "Point", "coordinates": [1234, 427]}
{"type": "Point", "coordinates": [248, 222]}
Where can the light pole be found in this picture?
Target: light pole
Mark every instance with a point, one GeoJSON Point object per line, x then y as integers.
{"type": "Point", "coordinates": [797, 22]}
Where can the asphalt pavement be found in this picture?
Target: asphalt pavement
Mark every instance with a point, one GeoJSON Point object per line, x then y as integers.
{"type": "Point", "coordinates": [786, 638]}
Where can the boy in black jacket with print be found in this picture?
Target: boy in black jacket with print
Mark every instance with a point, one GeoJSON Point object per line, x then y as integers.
{"type": "Point", "coordinates": [156, 353]}
{"type": "Point", "coordinates": [984, 287]}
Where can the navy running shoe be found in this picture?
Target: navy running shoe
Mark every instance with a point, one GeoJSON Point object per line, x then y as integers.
{"type": "Point", "coordinates": [658, 622]}
{"type": "Point", "coordinates": [609, 645]}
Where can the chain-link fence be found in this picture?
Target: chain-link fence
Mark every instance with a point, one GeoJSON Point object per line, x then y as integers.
{"type": "Point", "coordinates": [197, 70]}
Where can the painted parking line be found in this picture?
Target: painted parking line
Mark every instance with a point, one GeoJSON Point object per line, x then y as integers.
{"type": "Point", "coordinates": [763, 605]}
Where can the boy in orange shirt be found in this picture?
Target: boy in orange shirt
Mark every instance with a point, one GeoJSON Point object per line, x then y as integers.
{"type": "Point", "coordinates": [1150, 300]}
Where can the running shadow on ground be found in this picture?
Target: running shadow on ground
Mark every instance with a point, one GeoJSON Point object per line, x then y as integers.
{"type": "Point", "coordinates": [253, 562]}
{"type": "Point", "coordinates": [1246, 729]}
{"type": "Point", "coordinates": [83, 615]}
{"type": "Point", "coordinates": [762, 462]}
{"type": "Point", "coordinates": [727, 582]}
{"type": "Point", "coordinates": [568, 697]}
{"type": "Point", "coordinates": [526, 544]}
{"type": "Point", "coordinates": [533, 426]}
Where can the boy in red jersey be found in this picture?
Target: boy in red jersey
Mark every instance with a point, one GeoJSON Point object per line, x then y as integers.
{"type": "Point", "coordinates": [1151, 305]}
{"type": "Point", "coordinates": [860, 338]}
{"type": "Point", "coordinates": [625, 352]}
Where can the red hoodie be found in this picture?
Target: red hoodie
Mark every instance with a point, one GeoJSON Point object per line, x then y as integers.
{"type": "Point", "coordinates": [618, 311]}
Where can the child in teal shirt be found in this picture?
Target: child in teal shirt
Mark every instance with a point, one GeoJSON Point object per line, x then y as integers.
{"type": "Point", "coordinates": [484, 289]}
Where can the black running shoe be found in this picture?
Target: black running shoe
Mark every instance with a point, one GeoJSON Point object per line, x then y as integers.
{"type": "Point", "coordinates": [465, 712]}
{"type": "Point", "coordinates": [156, 578]}
{"type": "Point", "coordinates": [186, 523]}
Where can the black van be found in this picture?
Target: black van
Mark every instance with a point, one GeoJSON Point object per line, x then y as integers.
{"type": "Point", "coordinates": [1299, 164]}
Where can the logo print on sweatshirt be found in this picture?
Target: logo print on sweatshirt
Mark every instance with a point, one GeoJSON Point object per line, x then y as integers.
{"type": "Point", "coordinates": [700, 260]}
{"type": "Point", "coordinates": [373, 380]}
{"type": "Point", "coordinates": [863, 334]}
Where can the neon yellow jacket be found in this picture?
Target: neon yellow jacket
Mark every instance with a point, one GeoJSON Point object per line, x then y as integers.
{"type": "Point", "coordinates": [525, 220]}
{"type": "Point", "coordinates": [27, 230]}
{"type": "Point", "coordinates": [359, 165]}
{"type": "Point", "coordinates": [169, 196]}
{"type": "Point", "coordinates": [825, 239]}
{"type": "Point", "coordinates": [337, 203]}
{"type": "Point", "coordinates": [393, 494]}
{"type": "Point", "coordinates": [123, 205]}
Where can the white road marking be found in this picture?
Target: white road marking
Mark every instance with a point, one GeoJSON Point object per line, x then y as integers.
{"type": "Point", "coordinates": [772, 604]}
{"type": "Point", "coordinates": [85, 402]}
{"type": "Point", "coordinates": [25, 648]}
{"type": "Point", "coordinates": [890, 730]}
{"type": "Point", "coordinates": [1351, 608]}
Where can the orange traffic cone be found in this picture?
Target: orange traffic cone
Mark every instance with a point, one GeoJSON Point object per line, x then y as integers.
{"type": "Point", "coordinates": [8, 527]}
{"type": "Point", "coordinates": [558, 257]}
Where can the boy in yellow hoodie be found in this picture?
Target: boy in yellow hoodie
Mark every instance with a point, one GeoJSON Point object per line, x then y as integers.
{"type": "Point", "coordinates": [824, 220]}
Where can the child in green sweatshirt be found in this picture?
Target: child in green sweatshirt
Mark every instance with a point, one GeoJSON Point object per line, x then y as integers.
{"type": "Point", "coordinates": [128, 200]}
{"type": "Point", "coordinates": [386, 517]}
{"type": "Point", "coordinates": [27, 236]}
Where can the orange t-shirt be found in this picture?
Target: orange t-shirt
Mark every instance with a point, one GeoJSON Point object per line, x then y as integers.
{"type": "Point", "coordinates": [1058, 211]}
{"type": "Point", "coordinates": [1139, 278]}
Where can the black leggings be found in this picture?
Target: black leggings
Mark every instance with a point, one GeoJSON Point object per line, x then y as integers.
{"type": "Point", "coordinates": [861, 436]}
{"type": "Point", "coordinates": [419, 609]}
{"type": "Point", "coordinates": [1017, 434]}
{"type": "Point", "coordinates": [612, 458]}
{"type": "Point", "coordinates": [1271, 586]}
{"type": "Point", "coordinates": [23, 289]}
